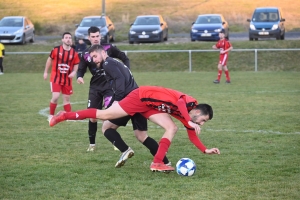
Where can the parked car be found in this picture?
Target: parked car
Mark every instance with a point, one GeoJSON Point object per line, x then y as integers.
{"type": "Point", "coordinates": [16, 29]}
{"type": "Point", "coordinates": [106, 26]}
{"type": "Point", "coordinates": [267, 22]}
{"type": "Point", "coordinates": [148, 28]}
{"type": "Point", "coordinates": [208, 26]}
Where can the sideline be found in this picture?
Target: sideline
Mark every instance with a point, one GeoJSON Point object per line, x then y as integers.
{"type": "Point", "coordinates": [44, 112]}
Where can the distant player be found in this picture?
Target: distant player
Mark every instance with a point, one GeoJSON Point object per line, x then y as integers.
{"type": "Point", "coordinates": [224, 46]}
{"type": "Point", "coordinates": [2, 54]}
{"type": "Point", "coordinates": [64, 60]}
{"type": "Point", "coordinates": [156, 104]}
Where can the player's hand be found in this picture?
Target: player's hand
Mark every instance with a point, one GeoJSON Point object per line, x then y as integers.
{"type": "Point", "coordinates": [212, 151]}
{"type": "Point", "coordinates": [80, 80]}
{"type": "Point", "coordinates": [45, 75]}
{"type": "Point", "coordinates": [195, 126]}
{"type": "Point", "coordinates": [71, 75]}
{"type": "Point", "coordinates": [222, 52]}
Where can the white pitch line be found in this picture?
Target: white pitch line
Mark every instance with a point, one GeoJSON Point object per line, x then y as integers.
{"type": "Point", "coordinates": [45, 111]}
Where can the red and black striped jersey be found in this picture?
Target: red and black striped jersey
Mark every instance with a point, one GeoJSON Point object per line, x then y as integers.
{"type": "Point", "coordinates": [63, 62]}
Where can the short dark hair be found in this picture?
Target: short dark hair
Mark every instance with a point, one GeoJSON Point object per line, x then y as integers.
{"type": "Point", "coordinates": [93, 29]}
{"type": "Point", "coordinates": [66, 33]}
{"type": "Point", "coordinates": [205, 110]}
{"type": "Point", "coordinates": [96, 47]}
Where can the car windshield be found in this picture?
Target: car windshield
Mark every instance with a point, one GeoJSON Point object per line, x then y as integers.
{"type": "Point", "coordinates": [11, 22]}
{"type": "Point", "coordinates": [146, 21]}
{"type": "Point", "coordinates": [88, 22]}
{"type": "Point", "coordinates": [265, 17]}
{"type": "Point", "coordinates": [208, 20]}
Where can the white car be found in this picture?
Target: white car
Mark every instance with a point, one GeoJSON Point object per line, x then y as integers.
{"type": "Point", "coordinates": [16, 29]}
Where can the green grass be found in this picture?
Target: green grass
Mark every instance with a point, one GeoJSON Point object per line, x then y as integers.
{"type": "Point", "coordinates": [149, 62]}
{"type": "Point", "coordinates": [255, 126]}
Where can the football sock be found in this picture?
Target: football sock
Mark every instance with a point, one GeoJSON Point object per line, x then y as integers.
{"type": "Point", "coordinates": [67, 107]}
{"type": "Point", "coordinates": [52, 108]}
{"type": "Point", "coordinates": [115, 138]}
{"type": "Point", "coordinates": [164, 145]}
{"type": "Point", "coordinates": [227, 75]}
{"type": "Point", "coordinates": [92, 132]}
{"type": "Point", "coordinates": [81, 114]}
{"type": "Point", "coordinates": [152, 145]}
{"type": "Point", "coordinates": [219, 75]}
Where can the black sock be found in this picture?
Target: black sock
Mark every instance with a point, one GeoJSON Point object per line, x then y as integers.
{"type": "Point", "coordinates": [92, 132]}
{"type": "Point", "coordinates": [115, 138]}
{"type": "Point", "coordinates": [152, 145]}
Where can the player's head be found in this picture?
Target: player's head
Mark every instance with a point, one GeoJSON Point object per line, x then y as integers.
{"type": "Point", "coordinates": [97, 53]}
{"type": "Point", "coordinates": [202, 113]}
{"type": "Point", "coordinates": [94, 35]}
{"type": "Point", "coordinates": [222, 34]}
{"type": "Point", "coordinates": [67, 39]}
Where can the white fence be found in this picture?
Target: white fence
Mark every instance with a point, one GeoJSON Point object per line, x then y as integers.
{"type": "Point", "coordinates": [255, 51]}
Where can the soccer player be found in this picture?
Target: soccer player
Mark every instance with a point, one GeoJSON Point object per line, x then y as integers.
{"type": "Point", "coordinates": [225, 46]}
{"type": "Point", "coordinates": [64, 61]}
{"type": "Point", "coordinates": [2, 54]}
{"type": "Point", "coordinates": [120, 80]}
{"type": "Point", "coordinates": [156, 104]}
{"type": "Point", "coordinates": [98, 84]}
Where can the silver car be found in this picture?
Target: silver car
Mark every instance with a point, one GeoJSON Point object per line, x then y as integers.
{"type": "Point", "coordinates": [16, 29]}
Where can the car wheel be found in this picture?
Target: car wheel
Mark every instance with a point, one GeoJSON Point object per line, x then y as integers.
{"type": "Point", "coordinates": [166, 38]}
{"type": "Point", "coordinates": [130, 42]}
{"type": "Point", "coordinates": [256, 39]}
{"type": "Point", "coordinates": [23, 40]}
{"type": "Point", "coordinates": [193, 40]}
{"type": "Point", "coordinates": [112, 38]}
{"type": "Point", "coordinates": [32, 39]}
{"type": "Point", "coordinates": [282, 37]}
{"type": "Point", "coordinates": [250, 38]}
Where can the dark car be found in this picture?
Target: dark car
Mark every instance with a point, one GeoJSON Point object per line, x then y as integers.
{"type": "Point", "coordinates": [208, 27]}
{"type": "Point", "coordinates": [148, 28]}
{"type": "Point", "coordinates": [267, 22]}
{"type": "Point", "coordinates": [107, 28]}
{"type": "Point", "coordinates": [16, 29]}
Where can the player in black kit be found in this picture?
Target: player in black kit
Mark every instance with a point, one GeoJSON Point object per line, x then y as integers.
{"type": "Point", "coordinates": [115, 83]}
{"type": "Point", "coordinates": [98, 81]}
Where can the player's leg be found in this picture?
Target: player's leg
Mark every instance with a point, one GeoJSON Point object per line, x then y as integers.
{"type": "Point", "coordinates": [67, 91]}
{"type": "Point", "coordinates": [1, 65]}
{"type": "Point", "coordinates": [226, 73]}
{"type": "Point", "coordinates": [95, 100]}
{"type": "Point", "coordinates": [55, 90]}
{"type": "Point", "coordinates": [140, 127]}
{"type": "Point", "coordinates": [219, 72]}
{"type": "Point", "coordinates": [165, 121]}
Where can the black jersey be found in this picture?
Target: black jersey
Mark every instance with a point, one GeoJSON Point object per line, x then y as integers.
{"type": "Point", "coordinates": [98, 80]}
{"type": "Point", "coordinates": [119, 77]}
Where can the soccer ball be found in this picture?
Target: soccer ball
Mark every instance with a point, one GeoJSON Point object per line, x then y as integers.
{"type": "Point", "coordinates": [185, 167]}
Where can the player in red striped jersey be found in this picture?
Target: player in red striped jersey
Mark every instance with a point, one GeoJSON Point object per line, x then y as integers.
{"type": "Point", "coordinates": [225, 46]}
{"type": "Point", "coordinates": [64, 61]}
{"type": "Point", "coordinates": [156, 104]}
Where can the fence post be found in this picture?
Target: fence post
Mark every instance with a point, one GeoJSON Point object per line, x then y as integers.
{"type": "Point", "coordinates": [190, 60]}
{"type": "Point", "coordinates": [255, 60]}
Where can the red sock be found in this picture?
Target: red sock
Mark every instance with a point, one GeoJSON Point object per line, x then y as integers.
{"type": "Point", "coordinates": [219, 74]}
{"type": "Point", "coordinates": [81, 114]}
{"type": "Point", "coordinates": [52, 107]}
{"type": "Point", "coordinates": [163, 147]}
{"type": "Point", "coordinates": [227, 75]}
{"type": "Point", "coordinates": [67, 107]}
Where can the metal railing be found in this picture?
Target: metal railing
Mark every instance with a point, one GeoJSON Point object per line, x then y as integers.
{"type": "Point", "coordinates": [187, 51]}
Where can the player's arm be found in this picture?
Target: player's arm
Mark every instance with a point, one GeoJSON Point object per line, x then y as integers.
{"type": "Point", "coordinates": [47, 66]}
{"type": "Point", "coordinates": [196, 141]}
{"type": "Point", "coordinates": [117, 53]}
{"type": "Point", "coordinates": [84, 58]}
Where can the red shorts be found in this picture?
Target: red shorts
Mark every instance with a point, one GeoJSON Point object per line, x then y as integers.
{"type": "Point", "coordinates": [132, 104]}
{"type": "Point", "coordinates": [223, 59]}
{"type": "Point", "coordinates": [67, 90]}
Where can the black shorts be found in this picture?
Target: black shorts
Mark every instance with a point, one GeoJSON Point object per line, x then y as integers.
{"type": "Point", "coordinates": [95, 99]}
{"type": "Point", "coordinates": [138, 122]}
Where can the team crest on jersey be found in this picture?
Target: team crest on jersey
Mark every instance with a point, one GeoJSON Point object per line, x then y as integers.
{"type": "Point", "coordinates": [105, 63]}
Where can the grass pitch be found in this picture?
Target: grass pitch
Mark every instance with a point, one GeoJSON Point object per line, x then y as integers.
{"type": "Point", "coordinates": [255, 126]}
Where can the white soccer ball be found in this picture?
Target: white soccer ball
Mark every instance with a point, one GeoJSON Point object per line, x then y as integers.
{"type": "Point", "coordinates": [185, 167]}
